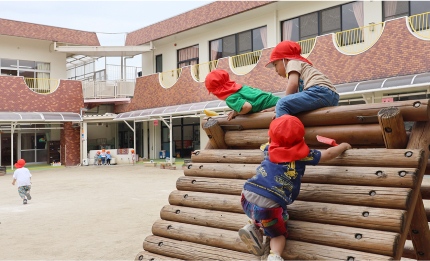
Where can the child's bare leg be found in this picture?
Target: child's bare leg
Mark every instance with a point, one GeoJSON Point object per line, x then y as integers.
{"type": "Point", "coordinates": [277, 244]}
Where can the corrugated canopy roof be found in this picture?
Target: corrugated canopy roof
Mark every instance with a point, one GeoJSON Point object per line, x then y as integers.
{"type": "Point", "coordinates": [39, 117]}
{"type": "Point", "coordinates": [342, 89]}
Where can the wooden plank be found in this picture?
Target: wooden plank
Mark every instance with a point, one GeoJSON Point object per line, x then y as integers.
{"type": "Point", "coordinates": [355, 216]}
{"type": "Point", "coordinates": [402, 158]}
{"type": "Point", "coordinates": [371, 241]}
{"type": "Point", "coordinates": [385, 197]}
{"type": "Point", "coordinates": [412, 110]}
{"type": "Point", "coordinates": [148, 256]}
{"type": "Point", "coordinates": [360, 135]}
{"type": "Point", "coordinates": [342, 175]}
{"type": "Point", "coordinates": [419, 231]}
{"type": "Point", "coordinates": [408, 250]}
{"type": "Point", "coordinates": [192, 251]}
{"type": "Point", "coordinates": [419, 138]}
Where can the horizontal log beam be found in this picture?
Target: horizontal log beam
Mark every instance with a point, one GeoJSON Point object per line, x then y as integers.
{"type": "Point", "coordinates": [402, 158]}
{"type": "Point", "coordinates": [361, 135]}
{"type": "Point", "coordinates": [148, 256]}
{"type": "Point", "coordinates": [344, 215]}
{"type": "Point", "coordinates": [371, 241]}
{"type": "Point", "coordinates": [413, 110]}
{"type": "Point", "coordinates": [342, 175]}
{"type": "Point", "coordinates": [192, 251]}
{"type": "Point", "coordinates": [385, 197]}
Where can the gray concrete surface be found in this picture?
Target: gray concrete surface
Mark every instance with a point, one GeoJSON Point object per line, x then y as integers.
{"type": "Point", "coordinates": [83, 213]}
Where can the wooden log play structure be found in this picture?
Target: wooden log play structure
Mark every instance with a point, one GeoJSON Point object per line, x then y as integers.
{"type": "Point", "coordinates": [370, 203]}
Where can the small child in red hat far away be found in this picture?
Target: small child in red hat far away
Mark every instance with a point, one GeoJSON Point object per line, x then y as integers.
{"type": "Point", "coordinates": [242, 99]}
{"type": "Point", "coordinates": [318, 91]}
{"type": "Point", "coordinates": [276, 185]}
{"type": "Point", "coordinates": [22, 178]}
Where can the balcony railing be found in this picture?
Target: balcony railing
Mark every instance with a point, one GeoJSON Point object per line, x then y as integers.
{"type": "Point", "coordinates": [108, 89]}
{"type": "Point", "coordinates": [42, 85]}
{"type": "Point", "coordinates": [244, 63]}
{"type": "Point", "coordinates": [420, 24]}
{"type": "Point", "coordinates": [168, 78]}
{"type": "Point", "coordinates": [307, 45]}
{"type": "Point", "coordinates": [201, 70]}
{"type": "Point", "coordinates": [358, 40]}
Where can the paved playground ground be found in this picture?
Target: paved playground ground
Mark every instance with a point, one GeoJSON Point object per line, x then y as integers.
{"type": "Point", "coordinates": [83, 213]}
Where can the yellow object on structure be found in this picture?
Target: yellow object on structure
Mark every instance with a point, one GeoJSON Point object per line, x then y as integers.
{"type": "Point", "coordinates": [210, 113]}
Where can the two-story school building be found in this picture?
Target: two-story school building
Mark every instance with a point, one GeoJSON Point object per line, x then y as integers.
{"type": "Point", "coordinates": [373, 51]}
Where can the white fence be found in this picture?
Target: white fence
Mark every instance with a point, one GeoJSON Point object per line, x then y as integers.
{"type": "Point", "coordinates": [108, 89]}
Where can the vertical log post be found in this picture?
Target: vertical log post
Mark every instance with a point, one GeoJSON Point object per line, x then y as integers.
{"type": "Point", "coordinates": [395, 137]}
{"type": "Point", "coordinates": [215, 133]}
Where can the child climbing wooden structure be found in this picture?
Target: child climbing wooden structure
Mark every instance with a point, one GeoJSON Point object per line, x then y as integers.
{"type": "Point", "coordinates": [366, 204]}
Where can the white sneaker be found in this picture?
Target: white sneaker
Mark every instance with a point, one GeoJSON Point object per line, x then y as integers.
{"type": "Point", "coordinates": [252, 236]}
{"type": "Point", "coordinates": [274, 257]}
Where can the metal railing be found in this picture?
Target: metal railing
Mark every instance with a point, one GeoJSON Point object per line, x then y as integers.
{"type": "Point", "coordinates": [245, 59]}
{"type": "Point", "coordinates": [358, 40]}
{"type": "Point", "coordinates": [420, 24]}
{"type": "Point", "coordinates": [201, 70]}
{"type": "Point", "coordinates": [108, 89]}
{"type": "Point", "coordinates": [168, 78]}
{"type": "Point", "coordinates": [42, 85]}
{"type": "Point", "coordinates": [307, 46]}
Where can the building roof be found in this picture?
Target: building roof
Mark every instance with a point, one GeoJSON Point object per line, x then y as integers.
{"type": "Point", "coordinates": [48, 33]}
{"type": "Point", "coordinates": [200, 16]}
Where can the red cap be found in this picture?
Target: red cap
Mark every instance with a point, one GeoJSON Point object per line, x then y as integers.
{"type": "Point", "coordinates": [287, 142]}
{"type": "Point", "coordinates": [287, 50]}
{"type": "Point", "coordinates": [20, 163]}
{"type": "Point", "coordinates": [218, 82]}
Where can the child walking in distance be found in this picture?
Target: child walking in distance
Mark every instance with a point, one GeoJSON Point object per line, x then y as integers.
{"type": "Point", "coordinates": [22, 178]}
{"type": "Point", "coordinates": [318, 91]}
{"type": "Point", "coordinates": [276, 185]}
{"type": "Point", "coordinates": [242, 99]}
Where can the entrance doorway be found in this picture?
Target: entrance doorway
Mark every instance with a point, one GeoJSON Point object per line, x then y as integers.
{"type": "Point", "coordinates": [6, 149]}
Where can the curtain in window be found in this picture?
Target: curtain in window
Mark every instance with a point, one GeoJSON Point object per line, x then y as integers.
{"type": "Point", "coordinates": [188, 53]}
{"type": "Point", "coordinates": [357, 8]}
{"type": "Point", "coordinates": [43, 78]}
{"type": "Point", "coordinates": [215, 49]}
{"type": "Point", "coordinates": [263, 33]}
{"type": "Point", "coordinates": [390, 8]}
{"type": "Point", "coordinates": [287, 30]}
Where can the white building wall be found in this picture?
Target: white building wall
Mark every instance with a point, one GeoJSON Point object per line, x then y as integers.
{"type": "Point", "coordinates": [34, 50]}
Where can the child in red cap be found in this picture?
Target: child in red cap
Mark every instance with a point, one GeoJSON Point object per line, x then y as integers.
{"type": "Point", "coordinates": [242, 99]}
{"type": "Point", "coordinates": [22, 178]}
{"type": "Point", "coordinates": [318, 91]}
{"type": "Point", "coordinates": [276, 184]}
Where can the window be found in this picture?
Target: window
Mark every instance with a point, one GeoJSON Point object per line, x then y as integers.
{"type": "Point", "coordinates": [188, 56]}
{"type": "Point", "coordinates": [394, 9]}
{"type": "Point", "coordinates": [28, 69]}
{"type": "Point", "coordinates": [159, 63]}
{"type": "Point", "coordinates": [243, 42]}
{"type": "Point", "coordinates": [331, 20]}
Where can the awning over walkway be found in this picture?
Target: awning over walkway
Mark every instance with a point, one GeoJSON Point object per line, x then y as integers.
{"type": "Point", "coordinates": [386, 84]}
{"type": "Point", "coordinates": [39, 117]}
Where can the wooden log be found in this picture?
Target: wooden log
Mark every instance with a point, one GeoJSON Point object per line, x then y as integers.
{"type": "Point", "coordinates": [344, 215]}
{"type": "Point", "coordinates": [401, 158]}
{"type": "Point", "coordinates": [148, 256]}
{"type": "Point", "coordinates": [215, 134]}
{"type": "Point", "coordinates": [412, 110]}
{"type": "Point", "coordinates": [408, 250]}
{"type": "Point", "coordinates": [393, 128]}
{"type": "Point", "coordinates": [416, 220]}
{"type": "Point", "coordinates": [385, 197]}
{"type": "Point", "coordinates": [425, 187]}
{"type": "Point", "coordinates": [228, 203]}
{"type": "Point", "coordinates": [192, 251]}
{"type": "Point", "coordinates": [361, 135]}
{"type": "Point", "coordinates": [375, 176]}
{"type": "Point", "coordinates": [371, 241]}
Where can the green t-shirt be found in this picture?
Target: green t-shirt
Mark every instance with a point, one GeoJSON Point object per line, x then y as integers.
{"type": "Point", "coordinates": [259, 99]}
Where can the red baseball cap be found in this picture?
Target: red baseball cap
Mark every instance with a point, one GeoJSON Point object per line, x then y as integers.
{"type": "Point", "coordinates": [20, 163]}
{"type": "Point", "coordinates": [286, 50]}
{"type": "Point", "coordinates": [218, 82]}
{"type": "Point", "coordinates": [287, 142]}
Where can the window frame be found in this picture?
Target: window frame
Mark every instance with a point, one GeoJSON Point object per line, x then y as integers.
{"type": "Point", "coordinates": [188, 60]}
{"type": "Point", "coordinates": [156, 63]}
{"type": "Point", "coordinates": [236, 44]}
{"type": "Point", "coordinates": [21, 69]}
